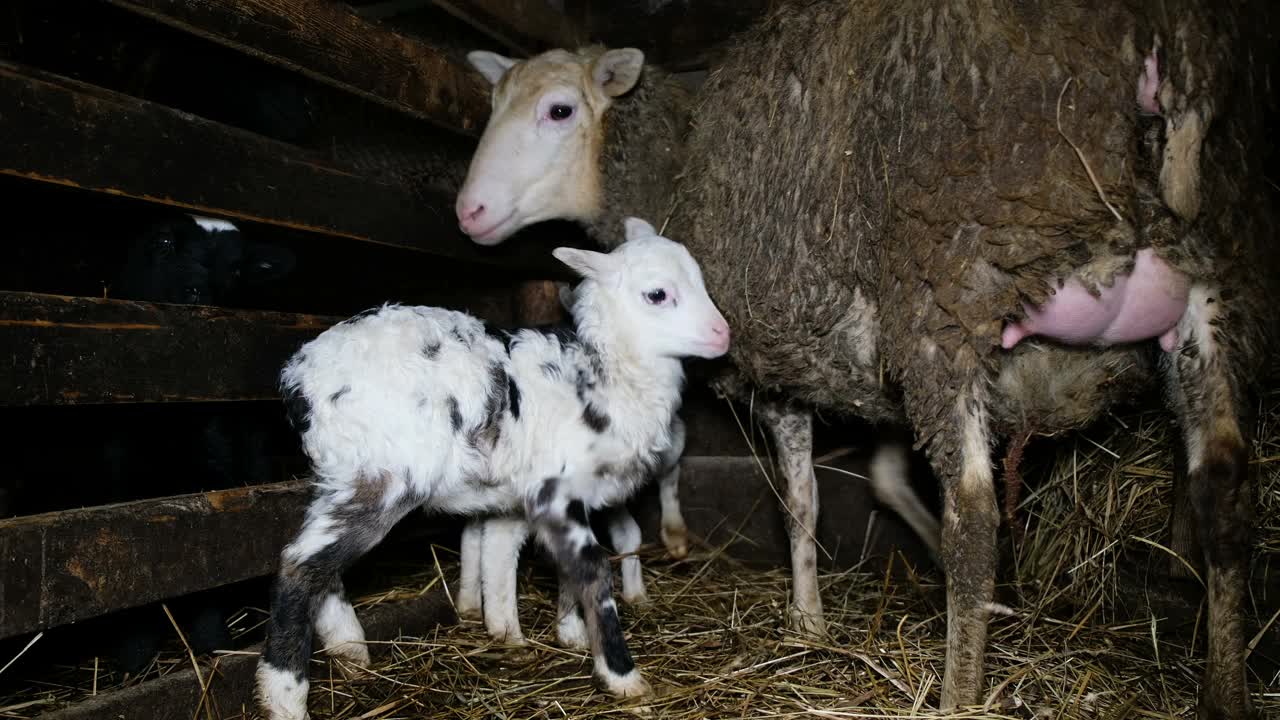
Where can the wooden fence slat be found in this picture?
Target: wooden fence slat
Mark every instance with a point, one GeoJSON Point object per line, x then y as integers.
{"type": "Point", "coordinates": [74, 351]}
{"type": "Point", "coordinates": [65, 566]}
{"type": "Point", "coordinates": [525, 26]}
{"type": "Point", "coordinates": [66, 132]}
{"type": "Point", "coordinates": [327, 42]}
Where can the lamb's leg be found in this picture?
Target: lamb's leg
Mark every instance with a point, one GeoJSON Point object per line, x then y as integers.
{"type": "Point", "coordinates": [792, 431]}
{"type": "Point", "coordinates": [560, 519]}
{"type": "Point", "coordinates": [308, 589]}
{"type": "Point", "coordinates": [675, 534]}
{"type": "Point", "coordinates": [467, 599]}
{"type": "Point", "coordinates": [969, 522]}
{"type": "Point", "coordinates": [571, 628]}
{"type": "Point", "coordinates": [624, 534]}
{"type": "Point", "coordinates": [503, 538]}
{"type": "Point", "coordinates": [1209, 404]}
{"type": "Point", "coordinates": [891, 483]}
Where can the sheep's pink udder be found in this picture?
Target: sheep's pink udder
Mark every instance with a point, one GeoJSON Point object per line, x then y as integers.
{"type": "Point", "coordinates": [1148, 303]}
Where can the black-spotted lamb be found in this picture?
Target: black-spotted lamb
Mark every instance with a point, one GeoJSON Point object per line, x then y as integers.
{"type": "Point", "coordinates": [909, 183]}
{"type": "Point", "coordinates": [403, 407]}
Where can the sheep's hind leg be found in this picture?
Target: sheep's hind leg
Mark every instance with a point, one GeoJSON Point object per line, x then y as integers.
{"type": "Point", "coordinates": [1209, 404]}
{"type": "Point", "coordinates": [792, 431]}
{"type": "Point", "coordinates": [560, 521]}
{"type": "Point", "coordinates": [308, 589]}
{"type": "Point", "coordinates": [675, 534]}
{"type": "Point", "coordinates": [970, 519]}
{"type": "Point", "coordinates": [467, 599]}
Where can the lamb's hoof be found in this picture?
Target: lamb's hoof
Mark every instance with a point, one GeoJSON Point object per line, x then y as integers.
{"type": "Point", "coordinates": [631, 685]}
{"type": "Point", "coordinates": [572, 633]}
{"type": "Point", "coordinates": [510, 639]}
{"type": "Point", "coordinates": [352, 660]}
{"type": "Point", "coordinates": [676, 541]}
{"type": "Point", "coordinates": [809, 625]}
{"type": "Point", "coordinates": [469, 611]}
{"type": "Point", "coordinates": [636, 599]}
{"type": "Point", "coordinates": [280, 696]}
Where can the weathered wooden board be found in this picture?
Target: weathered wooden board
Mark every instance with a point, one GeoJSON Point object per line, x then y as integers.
{"type": "Point", "coordinates": [66, 132]}
{"type": "Point", "coordinates": [526, 27]}
{"type": "Point", "coordinates": [61, 567]}
{"type": "Point", "coordinates": [327, 42]}
{"type": "Point", "coordinates": [67, 351]}
{"type": "Point", "coordinates": [176, 696]}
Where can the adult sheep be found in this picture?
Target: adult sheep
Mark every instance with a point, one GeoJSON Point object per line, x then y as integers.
{"type": "Point", "coordinates": [906, 185]}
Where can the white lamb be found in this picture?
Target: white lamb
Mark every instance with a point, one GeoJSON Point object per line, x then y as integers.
{"type": "Point", "coordinates": [407, 406]}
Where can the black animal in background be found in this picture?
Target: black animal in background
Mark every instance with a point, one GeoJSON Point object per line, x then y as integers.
{"type": "Point", "coordinates": [192, 260]}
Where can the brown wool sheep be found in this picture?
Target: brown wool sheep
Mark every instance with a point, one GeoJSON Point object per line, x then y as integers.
{"type": "Point", "coordinates": [877, 191]}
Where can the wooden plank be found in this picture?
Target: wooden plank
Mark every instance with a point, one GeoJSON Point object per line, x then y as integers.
{"type": "Point", "coordinates": [61, 567]}
{"type": "Point", "coordinates": [527, 27]}
{"type": "Point", "coordinates": [73, 351]}
{"type": "Point", "coordinates": [680, 36]}
{"type": "Point", "coordinates": [325, 41]}
{"type": "Point", "coordinates": [230, 682]}
{"type": "Point", "coordinates": [62, 131]}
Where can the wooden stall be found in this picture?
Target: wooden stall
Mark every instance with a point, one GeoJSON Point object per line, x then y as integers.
{"type": "Point", "coordinates": [115, 112]}
{"type": "Point", "coordinates": [149, 464]}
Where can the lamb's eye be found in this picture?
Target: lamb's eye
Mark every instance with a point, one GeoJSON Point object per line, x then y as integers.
{"type": "Point", "coordinates": [656, 297]}
{"type": "Point", "coordinates": [561, 112]}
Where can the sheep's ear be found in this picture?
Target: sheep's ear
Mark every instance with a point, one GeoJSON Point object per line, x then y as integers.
{"type": "Point", "coordinates": [490, 64]}
{"type": "Point", "coordinates": [587, 263]}
{"type": "Point", "coordinates": [637, 228]}
{"type": "Point", "coordinates": [617, 71]}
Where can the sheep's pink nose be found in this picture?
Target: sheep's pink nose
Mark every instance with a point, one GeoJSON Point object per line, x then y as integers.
{"type": "Point", "coordinates": [470, 215]}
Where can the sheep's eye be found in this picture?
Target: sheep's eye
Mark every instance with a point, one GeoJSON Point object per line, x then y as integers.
{"type": "Point", "coordinates": [561, 112]}
{"type": "Point", "coordinates": [656, 297]}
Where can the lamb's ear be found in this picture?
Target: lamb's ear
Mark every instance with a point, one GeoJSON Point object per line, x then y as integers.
{"type": "Point", "coordinates": [617, 71]}
{"type": "Point", "coordinates": [637, 228]}
{"type": "Point", "coordinates": [490, 64]}
{"type": "Point", "coordinates": [587, 263]}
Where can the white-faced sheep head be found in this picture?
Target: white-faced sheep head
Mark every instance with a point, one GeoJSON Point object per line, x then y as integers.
{"type": "Point", "coordinates": [537, 159]}
{"type": "Point", "coordinates": [648, 294]}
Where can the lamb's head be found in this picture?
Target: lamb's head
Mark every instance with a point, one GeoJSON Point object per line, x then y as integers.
{"type": "Point", "coordinates": [539, 157]}
{"type": "Point", "coordinates": [647, 295]}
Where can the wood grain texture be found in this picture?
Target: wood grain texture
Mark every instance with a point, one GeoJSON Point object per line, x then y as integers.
{"type": "Point", "coordinates": [327, 42]}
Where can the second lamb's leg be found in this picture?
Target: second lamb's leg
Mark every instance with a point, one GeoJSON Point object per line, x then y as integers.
{"type": "Point", "coordinates": [891, 483]}
{"type": "Point", "coordinates": [675, 534]}
{"type": "Point", "coordinates": [792, 431]}
{"type": "Point", "coordinates": [467, 599]}
{"type": "Point", "coordinates": [503, 538]}
{"type": "Point", "coordinates": [624, 533]}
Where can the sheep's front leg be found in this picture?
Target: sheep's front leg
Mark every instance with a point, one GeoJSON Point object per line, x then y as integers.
{"type": "Point", "coordinates": [792, 431]}
{"type": "Point", "coordinates": [308, 589]}
{"type": "Point", "coordinates": [1208, 401]}
{"type": "Point", "coordinates": [969, 522]}
{"type": "Point", "coordinates": [470, 553]}
{"type": "Point", "coordinates": [560, 520]}
{"type": "Point", "coordinates": [503, 538]}
{"type": "Point", "coordinates": [675, 534]}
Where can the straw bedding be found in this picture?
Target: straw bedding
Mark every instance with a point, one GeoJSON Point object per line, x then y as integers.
{"type": "Point", "coordinates": [1087, 623]}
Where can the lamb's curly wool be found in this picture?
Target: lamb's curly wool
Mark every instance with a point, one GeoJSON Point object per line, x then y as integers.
{"type": "Point", "coordinates": [884, 184]}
